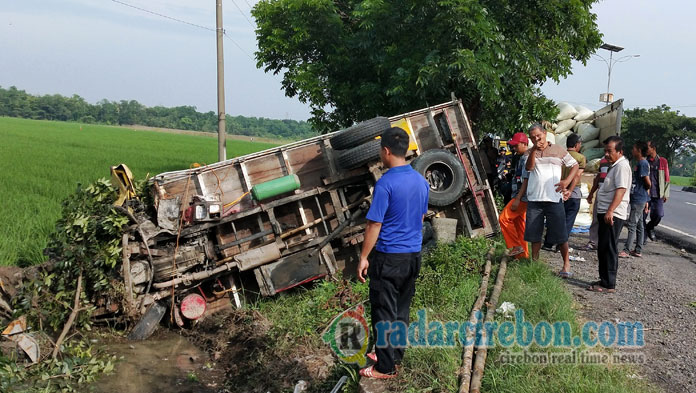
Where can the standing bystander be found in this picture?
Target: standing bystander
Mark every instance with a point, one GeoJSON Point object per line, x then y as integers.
{"type": "Point", "coordinates": [545, 194]}
{"type": "Point", "coordinates": [612, 211]}
{"type": "Point", "coordinates": [394, 229]}
{"type": "Point", "coordinates": [659, 188]}
{"type": "Point", "coordinates": [573, 195]}
{"type": "Point", "coordinates": [512, 218]}
{"type": "Point", "coordinates": [598, 180]}
{"type": "Point", "coordinates": [639, 201]}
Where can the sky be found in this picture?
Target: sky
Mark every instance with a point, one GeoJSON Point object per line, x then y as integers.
{"type": "Point", "coordinates": [103, 49]}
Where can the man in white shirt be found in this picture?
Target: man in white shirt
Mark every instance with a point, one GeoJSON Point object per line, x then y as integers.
{"type": "Point", "coordinates": [612, 211]}
{"type": "Point", "coordinates": [545, 194]}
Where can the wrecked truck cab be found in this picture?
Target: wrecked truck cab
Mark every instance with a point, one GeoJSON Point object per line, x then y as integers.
{"type": "Point", "coordinates": [272, 220]}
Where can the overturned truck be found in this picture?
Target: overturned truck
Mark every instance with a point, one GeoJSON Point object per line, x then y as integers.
{"type": "Point", "coordinates": [272, 220]}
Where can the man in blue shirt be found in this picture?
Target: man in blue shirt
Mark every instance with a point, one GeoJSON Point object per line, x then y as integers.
{"type": "Point", "coordinates": [394, 229]}
{"type": "Point", "coordinates": [639, 200]}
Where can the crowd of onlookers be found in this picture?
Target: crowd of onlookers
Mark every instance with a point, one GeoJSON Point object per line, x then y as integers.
{"type": "Point", "coordinates": [542, 193]}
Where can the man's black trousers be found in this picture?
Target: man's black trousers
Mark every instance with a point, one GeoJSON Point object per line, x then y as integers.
{"type": "Point", "coordinates": [392, 285]}
{"type": "Point", "coordinates": [608, 250]}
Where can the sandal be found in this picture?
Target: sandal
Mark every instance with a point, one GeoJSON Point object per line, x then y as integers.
{"type": "Point", "coordinates": [369, 372]}
{"type": "Point", "coordinates": [372, 356]}
{"type": "Point", "coordinates": [563, 274]}
{"type": "Point", "coordinates": [636, 254]}
{"type": "Point", "coordinates": [517, 250]}
{"type": "Point", "coordinates": [590, 247]}
{"type": "Point", "coordinates": [624, 254]}
{"type": "Point", "coordinates": [600, 289]}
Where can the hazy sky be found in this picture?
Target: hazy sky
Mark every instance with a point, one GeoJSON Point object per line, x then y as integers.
{"type": "Point", "coordinates": [102, 49]}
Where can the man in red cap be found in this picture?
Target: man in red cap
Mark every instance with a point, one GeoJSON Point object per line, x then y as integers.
{"type": "Point", "coordinates": [512, 218]}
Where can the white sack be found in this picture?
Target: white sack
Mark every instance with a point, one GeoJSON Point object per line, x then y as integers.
{"type": "Point", "coordinates": [588, 132]}
{"type": "Point", "coordinates": [564, 126]}
{"type": "Point", "coordinates": [578, 124]}
{"type": "Point", "coordinates": [583, 220]}
{"type": "Point", "coordinates": [583, 113]}
{"type": "Point", "coordinates": [592, 166]}
{"type": "Point", "coordinates": [567, 111]}
{"type": "Point", "coordinates": [589, 145]}
{"type": "Point", "coordinates": [561, 138]}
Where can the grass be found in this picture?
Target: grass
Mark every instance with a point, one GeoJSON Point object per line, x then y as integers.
{"type": "Point", "coordinates": [681, 181]}
{"type": "Point", "coordinates": [446, 289]}
{"type": "Point", "coordinates": [43, 161]}
{"type": "Point", "coordinates": [532, 287]}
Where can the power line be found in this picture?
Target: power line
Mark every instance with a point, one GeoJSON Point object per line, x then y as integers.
{"type": "Point", "coordinates": [164, 16]}
{"type": "Point", "coordinates": [235, 42]}
{"type": "Point", "coordinates": [187, 23]}
{"type": "Point", "coordinates": [243, 14]}
{"type": "Point", "coordinates": [247, 3]}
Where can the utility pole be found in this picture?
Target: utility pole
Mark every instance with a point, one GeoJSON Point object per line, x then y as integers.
{"type": "Point", "coordinates": [222, 150]}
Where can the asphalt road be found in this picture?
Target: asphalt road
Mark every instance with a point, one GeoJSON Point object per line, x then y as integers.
{"type": "Point", "coordinates": [679, 223]}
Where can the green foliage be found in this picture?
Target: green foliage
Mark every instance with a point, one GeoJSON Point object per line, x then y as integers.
{"type": "Point", "coordinates": [79, 366]}
{"type": "Point", "coordinates": [673, 133]}
{"type": "Point", "coordinates": [87, 242]}
{"type": "Point", "coordinates": [356, 59]}
{"type": "Point", "coordinates": [304, 314]}
{"type": "Point", "coordinates": [17, 103]}
{"type": "Point", "coordinates": [42, 162]}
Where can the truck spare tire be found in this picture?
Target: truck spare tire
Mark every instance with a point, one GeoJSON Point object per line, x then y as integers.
{"type": "Point", "coordinates": [445, 174]}
{"type": "Point", "coordinates": [359, 133]}
{"type": "Point", "coordinates": [359, 155]}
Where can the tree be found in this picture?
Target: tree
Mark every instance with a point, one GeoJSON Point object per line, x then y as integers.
{"type": "Point", "coordinates": [353, 60]}
{"type": "Point", "coordinates": [673, 133]}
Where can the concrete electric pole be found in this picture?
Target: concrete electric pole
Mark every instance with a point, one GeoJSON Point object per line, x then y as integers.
{"type": "Point", "coordinates": [222, 149]}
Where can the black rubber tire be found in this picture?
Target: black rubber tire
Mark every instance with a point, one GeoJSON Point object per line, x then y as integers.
{"type": "Point", "coordinates": [359, 133]}
{"type": "Point", "coordinates": [359, 155]}
{"type": "Point", "coordinates": [445, 174]}
{"type": "Point", "coordinates": [428, 232]}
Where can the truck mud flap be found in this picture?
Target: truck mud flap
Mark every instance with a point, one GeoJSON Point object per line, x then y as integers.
{"type": "Point", "coordinates": [294, 270]}
{"type": "Point", "coordinates": [149, 322]}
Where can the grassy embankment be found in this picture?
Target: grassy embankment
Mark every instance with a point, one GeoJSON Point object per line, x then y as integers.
{"type": "Point", "coordinates": [682, 180]}
{"type": "Point", "coordinates": [43, 161]}
{"type": "Point", "coordinates": [449, 282]}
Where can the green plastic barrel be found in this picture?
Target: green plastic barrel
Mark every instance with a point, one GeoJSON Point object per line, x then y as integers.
{"type": "Point", "coordinates": [275, 187]}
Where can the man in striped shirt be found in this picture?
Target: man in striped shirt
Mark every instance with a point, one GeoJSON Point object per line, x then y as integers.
{"type": "Point", "coordinates": [545, 191]}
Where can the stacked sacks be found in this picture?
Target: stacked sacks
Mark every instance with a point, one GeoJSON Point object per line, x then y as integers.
{"type": "Point", "coordinates": [580, 120]}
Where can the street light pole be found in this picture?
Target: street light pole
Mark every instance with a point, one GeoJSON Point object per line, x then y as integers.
{"type": "Point", "coordinates": [610, 64]}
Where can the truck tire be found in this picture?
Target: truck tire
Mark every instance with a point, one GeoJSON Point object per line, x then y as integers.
{"type": "Point", "coordinates": [445, 174]}
{"type": "Point", "coordinates": [359, 133]}
{"type": "Point", "coordinates": [359, 155]}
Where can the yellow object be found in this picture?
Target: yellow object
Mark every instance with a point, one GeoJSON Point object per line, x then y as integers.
{"type": "Point", "coordinates": [406, 126]}
{"type": "Point", "coordinates": [122, 178]}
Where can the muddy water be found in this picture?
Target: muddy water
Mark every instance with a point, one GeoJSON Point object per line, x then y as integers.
{"type": "Point", "coordinates": [166, 363]}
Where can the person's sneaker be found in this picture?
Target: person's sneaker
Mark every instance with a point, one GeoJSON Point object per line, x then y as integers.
{"type": "Point", "coordinates": [590, 247]}
{"type": "Point", "coordinates": [651, 235]}
{"type": "Point", "coordinates": [623, 254]}
{"type": "Point", "coordinates": [636, 254]}
{"type": "Point", "coordinates": [548, 248]}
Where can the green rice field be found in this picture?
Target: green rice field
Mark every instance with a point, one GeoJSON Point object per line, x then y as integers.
{"type": "Point", "coordinates": [41, 163]}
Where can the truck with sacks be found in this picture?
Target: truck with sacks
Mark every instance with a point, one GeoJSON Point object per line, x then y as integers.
{"type": "Point", "coordinates": [269, 221]}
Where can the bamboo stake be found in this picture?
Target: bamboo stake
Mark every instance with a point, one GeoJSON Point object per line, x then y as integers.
{"type": "Point", "coordinates": [468, 351]}
{"type": "Point", "coordinates": [482, 351]}
{"type": "Point", "coordinates": [71, 319]}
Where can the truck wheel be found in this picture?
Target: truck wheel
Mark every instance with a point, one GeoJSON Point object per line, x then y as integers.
{"type": "Point", "coordinates": [359, 155]}
{"type": "Point", "coordinates": [359, 133]}
{"type": "Point", "coordinates": [445, 174]}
